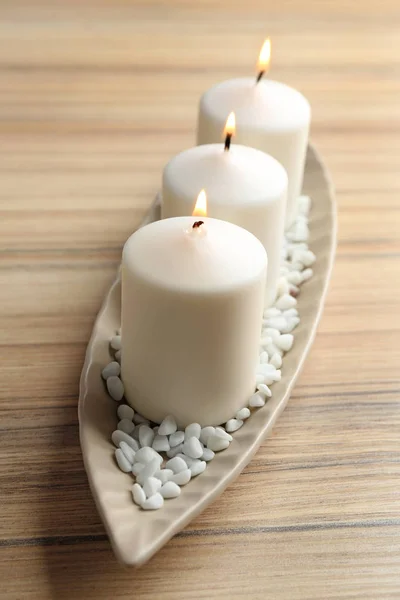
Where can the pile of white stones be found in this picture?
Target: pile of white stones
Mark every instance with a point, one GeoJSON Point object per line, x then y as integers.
{"type": "Point", "coordinates": [163, 458]}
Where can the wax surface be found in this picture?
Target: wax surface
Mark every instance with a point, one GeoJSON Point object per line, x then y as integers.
{"type": "Point", "coordinates": [192, 306]}
{"type": "Point", "coordinates": [270, 116]}
{"type": "Point", "coordinates": [244, 186]}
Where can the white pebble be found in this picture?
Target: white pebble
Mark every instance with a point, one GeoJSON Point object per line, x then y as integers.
{"type": "Point", "coordinates": [135, 434]}
{"type": "Point", "coordinates": [146, 435]}
{"type": "Point", "coordinates": [125, 412]}
{"type": "Point", "coordinates": [273, 349]}
{"type": "Point", "coordinates": [138, 494]}
{"type": "Point", "coordinates": [115, 388]}
{"type": "Point", "coordinates": [160, 443]}
{"type": "Point", "coordinates": [116, 342]}
{"type": "Point", "coordinates": [146, 454]}
{"type": "Point", "coordinates": [273, 333]}
{"type": "Point", "coordinates": [259, 379]}
{"type": "Point", "coordinates": [137, 468]}
{"type": "Point", "coordinates": [112, 369]}
{"type": "Point", "coordinates": [296, 266]}
{"type": "Point", "coordinates": [264, 389]}
{"type": "Point", "coordinates": [272, 312]}
{"type": "Point", "coordinates": [306, 275]}
{"type": "Point", "coordinates": [192, 447]}
{"type": "Point", "coordinates": [275, 376]}
{"type": "Point", "coordinates": [153, 503]}
{"type": "Point", "coordinates": [217, 443]}
{"type": "Point", "coordinates": [119, 436]}
{"type": "Point", "coordinates": [118, 355]}
{"type": "Point", "coordinates": [283, 286]}
{"type": "Point", "coordinates": [265, 340]}
{"type": "Point", "coordinates": [149, 469]}
{"type": "Point", "coordinates": [291, 312]}
{"type": "Point", "coordinates": [174, 451]}
{"type": "Point", "coordinates": [291, 323]}
{"type": "Point", "coordinates": [205, 433]}
{"type": "Point", "coordinates": [193, 430]}
{"type": "Point", "coordinates": [122, 461]}
{"type": "Point", "coordinates": [276, 360]}
{"type": "Point", "coordinates": [266, 369]}
{"type": "Point", "coordinates": [263, 357]}
{"type": "Point", "coordinates": [187, 459]}
{"type": "Point", "coordinates": [243, 414]}
{"type": "Point", "coordinates": [286, 301]}
{"type": "Point", "coordinates": [278, 323]}
{"type": "Point", "coordinates": [308, 258]}
{"type": "Point", "coordinates": [176, 438]}
{"type": "Point", "coordinates": [294, 277]}
{"type": "Point", "coordinates": [126, 426]}
{"type": "Point", "coordinates": [270, 380]}
{"type": "Point", "coordinates": [223, 433]}
{"type": "Point", "coordinates": [285, 342]}
{"type": "Point", "coordinates": [256, 401]}
{"type": "Point", "coordinates": [151, 486]}
{"type": "Point", "coordinates": [129, 452]}
{"type": "Point", "coordinates": [302, 233]}
{"type": "Point", "coordinates": [208, 454]}
{"type": "Point", "coordinates": [176, 464]}
{"type": "Point", "coordinates": [197, 467]}
{"type": "Point", "coordinates": [183, 477]}
{"type": "Point", "coordinates": [233, 425]}
{"type": "Point", "coordinates": [167, 426]}
{"type": "Point", "coordinates": [304, 204]}
{"type": "Point", "coordinates": [170, 490]}
{"type": "Point", "coordinates": [164, 475]}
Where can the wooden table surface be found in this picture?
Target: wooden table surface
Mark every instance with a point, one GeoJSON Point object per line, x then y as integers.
{"type": "Point", "coordinates": [96, 95]}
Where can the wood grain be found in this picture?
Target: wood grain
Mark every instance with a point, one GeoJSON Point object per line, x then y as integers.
{"type": "Point", "coordinates": [95, 96]}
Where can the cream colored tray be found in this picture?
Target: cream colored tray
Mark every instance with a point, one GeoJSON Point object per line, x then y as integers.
{"type": "Point", "coordinates": [136, 535]}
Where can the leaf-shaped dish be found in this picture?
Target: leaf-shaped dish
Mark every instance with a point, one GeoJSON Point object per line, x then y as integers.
{"type": "Point", "coordinates": [136, 535]}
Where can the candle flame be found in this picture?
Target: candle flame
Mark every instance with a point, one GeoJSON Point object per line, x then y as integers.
{"type": "Point", "coordinates": [265, 57]}
{"type": "Point", "coordinates": [200, 209]}
{"type": "Point", "coordinates": [230, 127]}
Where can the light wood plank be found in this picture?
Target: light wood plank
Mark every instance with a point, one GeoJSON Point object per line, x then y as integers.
{"type": "Point", "coordinates": [95, 97]}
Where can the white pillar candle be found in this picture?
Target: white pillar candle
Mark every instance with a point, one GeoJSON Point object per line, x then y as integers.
{"type": "Point", "coordinates": [270, 116]}
{"type": "Point", "coordinates": [244, 186]}
{"type": "Point", "coordinates": [192, 303]}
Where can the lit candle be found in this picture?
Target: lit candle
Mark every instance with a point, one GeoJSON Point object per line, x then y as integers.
{"type": "Point", "coordinates": [192, 304]}
{"type": "Point", "coordinates": [244, 186]}
{"type": "Point", "coordinates": [270, 116]}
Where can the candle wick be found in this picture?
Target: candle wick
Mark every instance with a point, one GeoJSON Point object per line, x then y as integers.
{"type": "Point", "coordinates": [197, 224]}
{"type": "Point", "coordinates": [228, 141]}
{"type": "Point", "coordinates": [259, 76]}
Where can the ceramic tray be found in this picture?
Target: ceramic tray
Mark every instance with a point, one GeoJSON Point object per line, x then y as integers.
{"type": "Point", "coordinates": [135, 534]}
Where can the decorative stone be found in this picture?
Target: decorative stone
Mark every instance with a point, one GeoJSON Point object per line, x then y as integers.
{"type": "Point", "coordinates": [125, 412]}
{"type": "Point", "coordinates": [192, 447]}
{"type": "Point", "coordinates": [256, 401]}
{"type": "Point", "coordinates": [115, 388]}
{"type": "Point", "coordinates": [193, 430]}
{"type": "Point", "coordinates": [112, 369]}
{"type": "Point", "coordinates": [176, 438]}
{"type": "Point", "coordinates": [233, 425]}
{"type": "Point", "coordinates": [151, 486]}
{"type": "Point", "coordinates": [138, 494]}
{"type": "Point", "coordinates": [167, 426]}
{"type": "Point", "coordinates": [153, 503]}
{"type": "Point", "coordinates": [170, 490]}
